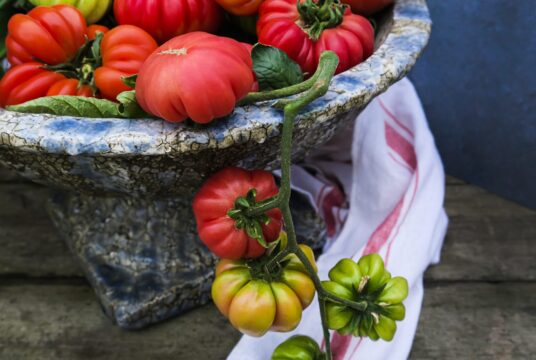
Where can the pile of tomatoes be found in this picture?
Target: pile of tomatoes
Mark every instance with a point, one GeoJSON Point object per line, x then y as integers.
{"type": "Point", "coordinates": [187, 63]}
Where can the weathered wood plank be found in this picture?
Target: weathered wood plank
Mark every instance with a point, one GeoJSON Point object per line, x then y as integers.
{"type": "Point", "coordinates": [489, 238]}
{"type": "Point", "coordinates": [458, 321]}
{"type": "Point", "coordinates": [65, 322]}
{"type": "Point", "coordinates": [451, 180]}
{"type": "Point", "coordinates": [488, 249]}
{"type": "Point", "coordinates": [30, 244]}
{"type": "Point", "coordinates": [473, 202]}
{"type": "Point", "coordinates": [477, 321]}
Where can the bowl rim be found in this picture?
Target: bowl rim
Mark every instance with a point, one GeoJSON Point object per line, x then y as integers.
{"type": "Point", "coordinates": [354, 88]}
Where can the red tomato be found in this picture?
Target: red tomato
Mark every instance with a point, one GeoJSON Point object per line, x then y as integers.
{"type": "Point", "coordinates": [123, 50]}
{"type": "Point", "coordinates": [217, 196]}
{"type": "Point", "coordinates": [93, 30]}
{"type": "Point", "coordinates": [240, 7]}
{"type": "Point", "coordinates": [165, 19]}
{"type": "Point", "coordinates": [52, 35]}
{"type": "Point", "coordinates": [278, 25]}
{"type": "Point", "coordinates": [70, 87]}
{"type": "Point", "coordinates": [26, 82]}
{"type": "Point", "coordinates": [196, 75]}
{"type": "Point", "coordinates": [367, 7]}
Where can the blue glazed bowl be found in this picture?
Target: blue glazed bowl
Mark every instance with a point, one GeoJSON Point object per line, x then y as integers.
{"type": "Point", "coordinates": [152, 157]}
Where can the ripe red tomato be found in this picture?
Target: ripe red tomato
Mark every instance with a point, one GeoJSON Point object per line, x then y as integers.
{"type": "Point", "coordinates": [240, 7]}
{"type": "Point", "coordinates": [165, 19]}
{"type": "Point", "coordinates": [367, 7]}
{"type": "Point", "coordinates": [52, 35]}
{"type": "Point", "coordinates": [278, 25]}
{"type": "Point", "coordinates": [26, 82]}
{"type": "Point", "coordinates": [93, 30]}
{"type": "Point", "coordinates": [123, 50]}
{"type": "Point", "coordinates": [217, 196]}
{"type": "Point", "coordinates": [196, 75]}
{"type": "Point", "coordinates": [70, 87]}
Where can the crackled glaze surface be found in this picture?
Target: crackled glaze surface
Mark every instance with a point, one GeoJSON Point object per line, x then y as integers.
{"type": "Point", "coordinates": [143, 257]}
{"type": "Point", "coordinates": [154, 157]}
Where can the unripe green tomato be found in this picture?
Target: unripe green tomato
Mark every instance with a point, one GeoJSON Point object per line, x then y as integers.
{"type": "Point", "coordinates": [298, 347]}
{"type": "Point", "coordinates": [346, 273]}
{"type": "Point", "coordinates": [395, 291]}
{"type": "Point", "coordinates": [93, 10]}
{"type": "Point", "coordinates": [373, 267]}
{"type": "Point", "coordinates": [385, 328]}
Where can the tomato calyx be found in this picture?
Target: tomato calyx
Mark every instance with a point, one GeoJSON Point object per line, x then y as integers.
{"type": "Point", "coordinates": [316, 16]}
{"type": "Point", "coordinates": [83, 66]}
{"type": "Point", "coordinates": [251, 224]}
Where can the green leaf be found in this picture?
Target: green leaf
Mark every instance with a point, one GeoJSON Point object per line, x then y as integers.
{"type": "Point", "coordinates": [130, 81]}
{"type": "Point", "coordinates": [128, 106]}
{"type": "Point", "coordinates": [70, 106]}
{"type": "Point", "coordinates": [273, 68]}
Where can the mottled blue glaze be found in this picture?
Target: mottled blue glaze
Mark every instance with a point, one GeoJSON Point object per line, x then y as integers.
{"type": "Point", "coordinates": [404, 36]}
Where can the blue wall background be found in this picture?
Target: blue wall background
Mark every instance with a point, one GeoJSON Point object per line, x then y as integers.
{"type": "Point", "coordinates": [477, 81]}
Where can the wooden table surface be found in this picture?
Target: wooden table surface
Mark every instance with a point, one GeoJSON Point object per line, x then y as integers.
{"type": "Point", "coordinates": [480, 302]}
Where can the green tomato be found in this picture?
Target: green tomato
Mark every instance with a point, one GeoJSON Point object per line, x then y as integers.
{"type": "Point", "coordinates": [396, 312]}
{"type": "Point", "coordinates": [346, 273]}
{"type": "Point", "coordinates": [395, 291]}
{"type": "Point", "coordinates": [366, 281]}
{"type": "Point", "coordinates": [385, 328]}
{"type": "Point", "coordinates": [93, 10]}
{"type": "Point", "coordinates": [338, 316]}
{"type": "Point", "coordinates": [298, 347]}
{"type": "Point", "coordinates": [373, 267]}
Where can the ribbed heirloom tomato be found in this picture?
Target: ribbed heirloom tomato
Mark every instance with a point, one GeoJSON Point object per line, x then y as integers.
{"type": "Point", "coordinates": [93, 10]}
{"type": "Point", "coordinates": [165, 19]}
{"type": "Point", "coordinates": [197, 75]}
{"type": "Point", "coordinates": [305, 31]}
{"type": "Point", "coordinates": [367, 280]}
{"type": "Point", "coordinates": [52, 35]}
{"type": "Point", "coordinates": [217, 197]}
{"type": "Point", "coordinates": [256, 302]}
{"type": "Point", "coordinates": [26, 82]}
{"type": "Point", "coordinates": [123, 50]}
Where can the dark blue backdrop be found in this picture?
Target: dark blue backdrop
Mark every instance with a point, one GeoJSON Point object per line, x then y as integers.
{"type": "Point", "coordinates": [477, 81]}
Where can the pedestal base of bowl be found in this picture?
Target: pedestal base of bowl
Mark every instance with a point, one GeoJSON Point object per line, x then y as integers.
{"type": "Point", "coordinates": [143, 257]}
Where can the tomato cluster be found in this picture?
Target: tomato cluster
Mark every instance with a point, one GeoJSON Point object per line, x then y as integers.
{"type": "Point", "coordinates": [56, 49]}
{"type": "Point", "coordinates": [369, 281]}
{"type": "Point", "coordinates": [52, 52]}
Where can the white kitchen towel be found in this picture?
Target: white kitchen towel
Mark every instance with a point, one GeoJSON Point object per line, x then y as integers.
{"type": "Point", "coordinates": [395, 184]}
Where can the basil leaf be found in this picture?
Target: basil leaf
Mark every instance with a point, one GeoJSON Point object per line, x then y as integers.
{"type": "Point", "coordinates": [128, 106]}
{"type": "Point", "coordinates": [70, 106]}
{"type": "Point", "coordinates": [274, 69]}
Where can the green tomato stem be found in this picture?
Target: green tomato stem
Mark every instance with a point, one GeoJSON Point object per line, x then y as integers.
{"type": "Point", "coordinates": [316, 88]}
{"type": "Point", "coordinates": [280, 93]}
{"type": "Point", "coordinates": [309, 90]}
